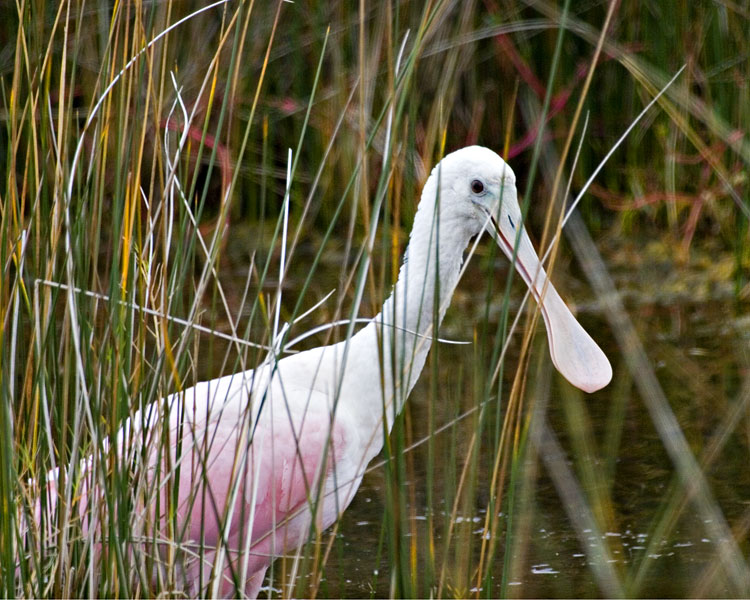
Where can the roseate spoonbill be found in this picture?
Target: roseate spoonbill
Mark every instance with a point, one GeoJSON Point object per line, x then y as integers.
{"type": "Point", "coordinates": [260, 457]}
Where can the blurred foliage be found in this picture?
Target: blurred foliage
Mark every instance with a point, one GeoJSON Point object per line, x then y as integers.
{"type": "Point", "coordinates": [683, 173]}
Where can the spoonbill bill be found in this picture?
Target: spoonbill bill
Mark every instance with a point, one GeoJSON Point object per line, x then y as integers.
{"type": "Point", "coordinates": [261, 458]}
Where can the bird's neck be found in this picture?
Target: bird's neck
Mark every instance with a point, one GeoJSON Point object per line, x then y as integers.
{"type": "Point", "coordinates": [397, 340]}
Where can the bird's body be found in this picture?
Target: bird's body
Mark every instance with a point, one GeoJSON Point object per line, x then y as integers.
{"type": "Point", "coordinates": [260, 457]}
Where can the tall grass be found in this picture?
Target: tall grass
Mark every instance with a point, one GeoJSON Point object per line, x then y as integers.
{"type": "Point", "coordinates": [150, 150]}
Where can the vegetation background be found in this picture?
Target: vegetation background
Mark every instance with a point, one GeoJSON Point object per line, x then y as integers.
{"type": "Point", "coordinates": [148, 148]}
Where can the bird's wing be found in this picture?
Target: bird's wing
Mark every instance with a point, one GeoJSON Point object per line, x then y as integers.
{"type": "Point", "coordinates": [266, 480]}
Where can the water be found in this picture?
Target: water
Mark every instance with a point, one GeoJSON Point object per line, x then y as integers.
{"type": "Point", "coordinates": [694, 370]}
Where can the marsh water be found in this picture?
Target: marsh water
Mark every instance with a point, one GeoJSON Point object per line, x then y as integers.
{"type": "Point", "coordinates": [695, 333]}
{"type": "Point", "coordinates": [695, 349]}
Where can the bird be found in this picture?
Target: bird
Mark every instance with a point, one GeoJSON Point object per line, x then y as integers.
{"type": "Point", "coordinates": [260, 460]}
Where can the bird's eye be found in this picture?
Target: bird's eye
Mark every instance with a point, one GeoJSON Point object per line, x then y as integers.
{"type": "Point", "coordinates": [477, 186]}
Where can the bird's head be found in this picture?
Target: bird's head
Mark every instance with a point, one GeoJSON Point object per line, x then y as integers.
{"type": "Point", "coordinates": [477, 188]}
{"type": "Point", "coordinates": [477, 184]}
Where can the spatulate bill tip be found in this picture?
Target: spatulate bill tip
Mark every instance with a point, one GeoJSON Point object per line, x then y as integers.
{"type": "Point", "coordinates": [578, 357]}
{"type": "Point", "coordinates": [592, 377]}
{"type": "Point", "coordinates": [597, 383]}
